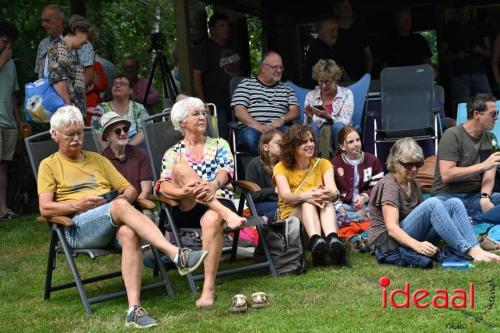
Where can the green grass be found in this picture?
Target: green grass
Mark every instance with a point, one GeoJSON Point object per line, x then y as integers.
{"type": "Point", "coordinates": [323, 300]}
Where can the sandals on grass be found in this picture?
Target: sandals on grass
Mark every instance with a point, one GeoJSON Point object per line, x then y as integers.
{"type": "Point", "coordinates": [239, 303]}
{"type": "Point", "coordinates": [259, 300]}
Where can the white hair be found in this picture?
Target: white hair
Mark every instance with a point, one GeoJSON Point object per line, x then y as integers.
{"type": "Point", "coordinates": [66, 116]}
{"type": "Point", "coordinates": [180, 112]}
{"type": "Point", "coordinates": [406, 148]}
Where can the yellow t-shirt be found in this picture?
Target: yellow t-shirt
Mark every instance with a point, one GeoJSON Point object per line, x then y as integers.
{"type": "Point", "coordinates": [295, 177]}
{"type": "Point", "coordinates": [72, 180]}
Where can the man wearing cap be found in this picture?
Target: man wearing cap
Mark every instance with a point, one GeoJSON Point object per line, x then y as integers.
{"type": "Point", "coordinates": [131, 161]}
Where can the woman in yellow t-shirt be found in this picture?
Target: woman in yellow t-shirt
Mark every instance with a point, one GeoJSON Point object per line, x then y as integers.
{"type": "Point", "coordinates": [306, 189]}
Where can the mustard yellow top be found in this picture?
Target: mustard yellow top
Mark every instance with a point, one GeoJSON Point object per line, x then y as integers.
{"type": "Point", "coordinates": [295, 177]}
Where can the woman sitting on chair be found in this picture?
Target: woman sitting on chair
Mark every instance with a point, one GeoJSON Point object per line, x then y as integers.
{"type": "Point", "coordinates": [260, 171]}
{"type": "Point", "coordinates": [197, 172]}
{"type": "Point", "coordinates": [329, 103]}
{"type": "Point", "coordinates": [400, 218]}
{"type": "Point", "coordinates": [306, 189]}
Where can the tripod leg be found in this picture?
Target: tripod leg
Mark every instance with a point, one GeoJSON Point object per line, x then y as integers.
{"type": "Point", "coordinates": [150, 79]}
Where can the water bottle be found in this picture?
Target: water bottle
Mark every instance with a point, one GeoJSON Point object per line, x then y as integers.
{"type": "Point", "coordinates": [459, 265]}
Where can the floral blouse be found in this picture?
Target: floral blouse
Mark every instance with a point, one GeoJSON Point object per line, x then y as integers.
{"type": "Point", "coordinates": [217, 156]}
{"type": "Point", "coordinates": [136, 112]}
{"type": "Point", "coordinates": [63, 64]}
{"type": "Point", "coordinates": [342, 105]}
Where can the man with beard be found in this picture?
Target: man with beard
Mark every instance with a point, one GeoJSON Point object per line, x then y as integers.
{"type": "Point", "coordinates": [263, 103]}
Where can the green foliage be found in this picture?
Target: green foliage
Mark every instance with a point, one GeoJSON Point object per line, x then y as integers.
{"type": "Point", "coordinates": [431, 38]}
{"type": "Point", "coordinates": [255, 42]}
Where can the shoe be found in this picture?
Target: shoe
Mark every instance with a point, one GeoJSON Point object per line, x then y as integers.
{"type": "Point", "coordinates": [337, 252]}
{"type": "Point", "coordinates": [489, 244]}
{"type": "Point", "coordinates": [259, 300]}
{"type": "Point", "coordinates": [319, 252]}
{"type": "Point", "coordinates": [239, 304]}
{"type": "Point", "coordinates": [9, 215]}
{"type": "Point", "coordinates": [139, 318]}
{"type": "Point", "coordinates": [189, 260]}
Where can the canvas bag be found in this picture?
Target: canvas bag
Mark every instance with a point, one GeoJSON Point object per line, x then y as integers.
{"type": "Point", "coordinates": [41, 100]}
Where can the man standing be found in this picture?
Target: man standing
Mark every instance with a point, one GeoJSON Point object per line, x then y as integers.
{"type": "Point", "coordinates": [215, 64]}
{"type": "Point", "coordinates": [465, 166]}
{"type": "Point", "coordinates": [9, 115]}
{"type": "Point", "coordinates": [71, 182]}
{"type": "Point", "coordinates": [323, 47]}
{"type": "Point", "coordinates": [263, 103]}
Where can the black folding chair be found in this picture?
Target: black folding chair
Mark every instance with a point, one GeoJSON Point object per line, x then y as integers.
{"type": "Point", "coordinates": [407, 106]}
{"type": "Point", "coordinates": [40, 146]}
{"type": "Point", "coordinates": [159, 136]}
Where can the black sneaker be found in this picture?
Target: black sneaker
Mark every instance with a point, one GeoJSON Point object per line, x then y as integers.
{"type": "Point", "coordinates": [139, 318]}
{"type": "Point", "coordinates": [319, 252]}
{"type": "Point", "coordinates": [337, 252]}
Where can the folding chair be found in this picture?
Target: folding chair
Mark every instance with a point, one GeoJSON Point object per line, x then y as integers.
{"type": "Point", "coordinates": [360, 91]}
{"type": "Point", "coordinates": [159, 136]}
{"type": "Point", "coordinates": [301, 94]}
{"type": "Point", "coordinates": [407, 106]}
{"type": "Point", "coordinates": [40, 146]}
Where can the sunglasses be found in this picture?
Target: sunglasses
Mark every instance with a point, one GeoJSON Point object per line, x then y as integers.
{"type": "Point", "coordinates": [411, 165]}
{"type": "Point", "coordinates": [494, 114]}
{"type": "Point", "coordinates": [119, 130]}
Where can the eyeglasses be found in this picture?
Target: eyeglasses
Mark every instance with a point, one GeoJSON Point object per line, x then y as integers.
{"type": "Point", "coordinates": [411, 165]}
{"type": "Point", "coordinates": [119, 130]}
{"type": "Point", "coordinates": [275, 67]}
{"type": "Point", "coordinates": [493, 114]}
{"type": "Point", "coordinates": [198, 114]}
{"type": "Point", "coordinates": [78, 133]}
{"type": "Point", "coordinates": [120, 83]}
{"type": "Point", "coordinates": [325, 83]}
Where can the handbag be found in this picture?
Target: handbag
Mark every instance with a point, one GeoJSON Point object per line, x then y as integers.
{"type": "Point", "coordinates": [41, 100]}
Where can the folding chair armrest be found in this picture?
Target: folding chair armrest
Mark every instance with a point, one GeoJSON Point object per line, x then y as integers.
{"type": "Point", "coordinates": [162, 198]}
{"type": "Point", "coordinates": [144, 204]}
{"type": "Point", "coordinates": [371, 114]}
{"type": "Point", "coordinates": [233, 125]}
{"type": "Point", "coordinates": [246, 185]}
{"type": "Point", "coordinates": [62, 220]}
{"type": "Point", "coordinates": [436, 109]}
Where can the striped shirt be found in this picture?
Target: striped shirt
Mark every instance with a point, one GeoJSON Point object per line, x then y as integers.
{"type": "Point", "coordinates": [264, 103]}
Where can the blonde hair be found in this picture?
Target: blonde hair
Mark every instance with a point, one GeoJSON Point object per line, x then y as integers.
{"type": "Point", "coordinates": [326, 68]}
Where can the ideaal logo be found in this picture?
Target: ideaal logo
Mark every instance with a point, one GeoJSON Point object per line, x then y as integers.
{"type": "Point", "coordinates": [422, 298]}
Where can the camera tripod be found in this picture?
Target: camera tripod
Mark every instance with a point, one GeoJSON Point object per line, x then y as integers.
{"type": "Point", "coordinates": [169, 89]}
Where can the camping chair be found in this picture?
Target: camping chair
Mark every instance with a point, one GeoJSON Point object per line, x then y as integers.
{"type": "Point", "coordinates": [40, 146]}
{"type": "Point", "coordinates": [301, 94]}
{"type": "Point", "coordinates": [360, 91]}
{"type": "Point", "coordinates": [212, 120]}
{"type": "Point", "coordinates": [159, 136]}
{"type": "Point", "coordinates": [407, 106]}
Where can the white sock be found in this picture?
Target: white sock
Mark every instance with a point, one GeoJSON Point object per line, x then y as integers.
{"type": "Point", "coordinates": [176, 259]}
{"type": "Point", "coordinates": [131, 309]}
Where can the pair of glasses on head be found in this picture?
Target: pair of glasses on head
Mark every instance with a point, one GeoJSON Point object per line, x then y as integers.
{"type": "Point", "coordinates": [411, 165]}
{"type": "Point", "coordinates": [123, 129]}
{"type": "Point", "coordinates": [493, 114]}
{"type": "Point", "coordinates": [275, 67]}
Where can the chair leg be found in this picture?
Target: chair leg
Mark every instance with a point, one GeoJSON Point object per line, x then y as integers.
{"type": "Point", "coordinates": [163, 272]}
{"type": "Point", "coordinates": [269, 259]}
{"type": "Point", "coordinates": [74, 272]}
{"type": "Point", "coordinates": [50, 264]}
{"type": "Point", "coordinates": [234, 248]}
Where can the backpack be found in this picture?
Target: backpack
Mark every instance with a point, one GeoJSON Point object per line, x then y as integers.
{"type": "Point", "coordinates": [285, 246]}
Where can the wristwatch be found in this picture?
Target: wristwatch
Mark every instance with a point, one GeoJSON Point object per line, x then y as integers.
{"type": "Point", "coordinates": [485, 196]}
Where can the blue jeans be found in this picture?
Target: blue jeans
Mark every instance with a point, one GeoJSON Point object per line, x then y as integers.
{"type": "Point", "coordinates": [267, 208]}
{"type": "Point", "coordinates": [471, 203]}
{"type": "Point", "coordinates": [336, 127]}
{"type": "Point", "coordinates": [463, 86]}
{"type": "Point", "coordinates": [92, 229]}
{"type": "Point", "coordinates": [434, 219]}
{"type": "Point", "coordinates": [249, 138]}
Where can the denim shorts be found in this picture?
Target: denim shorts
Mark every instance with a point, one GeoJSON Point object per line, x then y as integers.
{"type": "Point", "coordinates": [93, 229]}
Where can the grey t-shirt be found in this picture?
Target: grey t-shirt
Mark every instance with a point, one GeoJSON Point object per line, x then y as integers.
{"type": "Point", "coordinates": [389, 192]}
{"type": "Point", "coordinates": [458, 146]}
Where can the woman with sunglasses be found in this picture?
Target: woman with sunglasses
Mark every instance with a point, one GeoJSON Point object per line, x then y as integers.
{"type": "Point", "coordinates": [328, 104]}
{"type": "Point", "coordinates": [126, 108]}
{"type": "Point", "coordinates": [400, 218]}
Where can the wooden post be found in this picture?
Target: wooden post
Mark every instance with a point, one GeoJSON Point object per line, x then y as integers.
{"type": "Point", "coordinates": [183, 46]}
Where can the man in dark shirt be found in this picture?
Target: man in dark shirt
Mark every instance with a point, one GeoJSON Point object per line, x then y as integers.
{"type": "Point", "coordinates": [466, 47]}
{"type": "Point", "coordinates": [215, 64]}
{"type": "Point", "coordinates": [323, 47]}
{"type": "Point", "coordinates": [406, 48]}
{"type": "Point", "coordinates": [354, 51]}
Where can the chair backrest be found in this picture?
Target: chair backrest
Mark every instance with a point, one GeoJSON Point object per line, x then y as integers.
{"type": "Point", "coordinates": [159, 135]}
{"type": "Point", "coordinates": [41, 146]}
{"type": "Point", "coordinates": [360, 91]}
{"type": "Point", "coordinates": [407, 98]}
{"type": "Point", "coordinates": [300, 93]}
{"type": "Point", "coordinates": [233, 84]}
{"type": "Point", "coordinates": [462, 117]}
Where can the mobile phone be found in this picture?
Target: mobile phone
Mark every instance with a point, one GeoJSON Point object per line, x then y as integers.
{"type": "Point", "coordinates": [319, 107]}
{"type": "Point", "coordinates": [109, 196]}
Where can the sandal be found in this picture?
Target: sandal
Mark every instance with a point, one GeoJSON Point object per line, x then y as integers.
{"type": "Point", "coordinates": [239, 304]}
{"type": "Point", "coordinates": [259, 300]}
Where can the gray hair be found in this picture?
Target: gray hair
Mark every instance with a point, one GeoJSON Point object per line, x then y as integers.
{"type": "Point", "coordinates": [66, 116]}
{"type": "Point", "coordinates": [405, 148]}
{"type": "Point", "coordinates": [180, 112]}
{"type": "Point", "coordinates": [57, 10]}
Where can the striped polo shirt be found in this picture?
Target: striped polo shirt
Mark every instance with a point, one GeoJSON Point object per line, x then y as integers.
{"type": "Point", "coordinates": [264, 103]}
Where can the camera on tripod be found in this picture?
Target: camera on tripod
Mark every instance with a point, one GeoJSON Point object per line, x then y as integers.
{"type": "Point", "coordinates": [156, 39]}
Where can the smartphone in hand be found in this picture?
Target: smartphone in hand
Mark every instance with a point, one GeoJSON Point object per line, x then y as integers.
{"type": "Point", "coordinates": [110, 196]}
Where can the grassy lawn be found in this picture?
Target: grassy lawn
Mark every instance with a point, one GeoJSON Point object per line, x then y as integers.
{"type": "Point", "coordinates": [323, 300]}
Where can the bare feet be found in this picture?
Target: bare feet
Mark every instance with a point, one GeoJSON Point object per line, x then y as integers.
{"type": "Point", "coordinates": [206, 299]}
{"type": "Point", "coordinates": [481, 255]}
{"type": "Point", "coordinates": [233, 220]}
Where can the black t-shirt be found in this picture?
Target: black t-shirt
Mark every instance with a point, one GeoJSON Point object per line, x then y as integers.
{"type": "Point", "coordinates": [318, 50]}
{"type": "Point", "coordinates": [216, 62]}
{"type": "Point", "coordinates": [350, 45]}
{"type": "Point", "coordinates": [464, 37]}
{"type": "Point", "coordinates": [407, 51]}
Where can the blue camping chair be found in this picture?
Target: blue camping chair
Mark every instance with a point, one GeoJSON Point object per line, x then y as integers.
{"type": "Point", "coordinates": [300, 93]}
{"type": "Point", "coordinates": [360, 91]}
{"type": "Point", "coordinates": [462, 117]}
